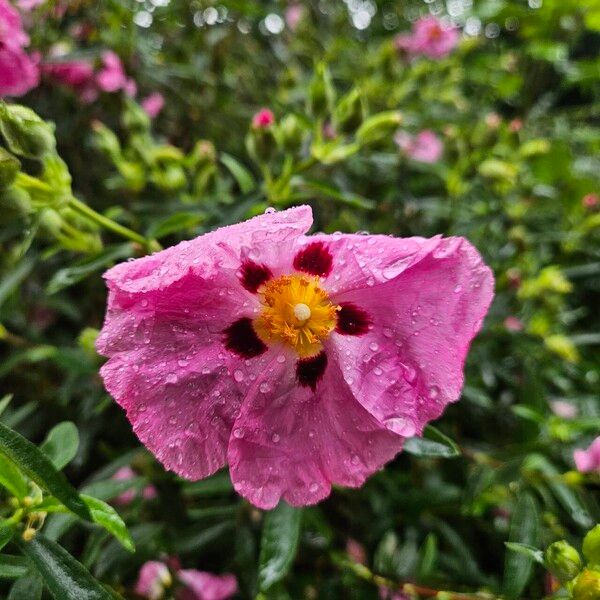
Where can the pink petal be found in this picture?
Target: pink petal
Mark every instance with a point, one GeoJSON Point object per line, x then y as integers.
{"type": "Point", "coordinates": [290, 442]}
{"type": "Point", "coordinates": [153, 104]}
{"type": "Point", "coordinates": [163, 333]}
{"type": "Point", "coordinates": [18, 72]}
{"type": "Point", "coordinates": [150, 579]}
{"type": "Point", "coordinates": [588, 461]}
{"type": "Point", "coordinates": [12, 35]}
{"type": "Point", "coordinates": [206, 586]}
{"type": "Point", "coordinates": [425, 308]}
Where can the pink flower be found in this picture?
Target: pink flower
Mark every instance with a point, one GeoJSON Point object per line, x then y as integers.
{"type": "Point", "coordinates": [293, 15]}
{"type": "Point", "coordinates": [564, 410]}
{"type": "Point", "coordinates": [153, 578]}
{"type": "Point", "coordinates": [263, 118]}
{"type": "Point", "coordinates": [301, 361]}
{"type": "Point", "coordinates": [29, 4]}
{"type": "Point", "coordinates": [127, 497]}
{"type": "Point", "coordinates": [356, 552]}
{"type": "Point", "coordinates": [112, 76]}
{"type": "Point", "coordinates": [153, 104]}
{"type": "Point", "coordinates": [588, 461]}
{"type": "Point", "coordinates": [513, 324]}
{"type": "Point", "coordinates": [430, 37]}
{"type": "Point", "coordinates": [77, 74]}
{"type": "Point", "coordinates": [19, 72]}
{"type": "Point", "coordinates": [590, 201]}
{"type": "Point", "coordinates": [425, 147]}
{"type": "Point", "coordinates": [200, 585]}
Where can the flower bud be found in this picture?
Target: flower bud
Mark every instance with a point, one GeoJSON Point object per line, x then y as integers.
{"type": "Point", "coordinates": [381, 125]}
{"type": "Point", "coordinates": [562, 560]}
{"type": "Point", "coordinates": [14, 202]}
{"type": "Point", "coordinates": [87, 341]}
{"type": "Point", "coordinates": [25, 133]}
{"type": "Point", "coordinates": [260, 141]}
{"type": "Point", "coordinates": [591, 545]}
{"type": "Point", "coordinates": [106, 141]}
{"type": "Point", "coordinates": [587, 586]}
{"type": "Point", "coordinates": [321, 94]}
{"type": "Point", "coordinates": [9, 167]}
{"type": "Point", "coordinates": [291, 133]}
{"type": "Point", "coordinates": [349, 112]}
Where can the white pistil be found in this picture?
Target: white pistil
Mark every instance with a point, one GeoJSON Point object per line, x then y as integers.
{"type": "Point", "coordinates": [302, 312]}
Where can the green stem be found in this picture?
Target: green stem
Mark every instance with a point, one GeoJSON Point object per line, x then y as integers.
{"type": "Point", "coordinates": [95, 217]}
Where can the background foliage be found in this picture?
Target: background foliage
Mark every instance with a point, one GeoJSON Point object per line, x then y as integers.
{"type": "Point", "coordinates": [516, 106]}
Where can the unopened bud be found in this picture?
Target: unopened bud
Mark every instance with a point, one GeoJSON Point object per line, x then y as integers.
{"type": "Point", "coordinates": [591, 545]}
{"type": "Point", "coordinates": [381, 125]}
{"type": "Point", "coordinates": [291, 133]}
{"type": "Point", "coordinates": [28, 534]}
{"type": "Point", "coordinates": [14, 202]}
{"type": "Point", "coordinates": [25, 133]}
{"type": "Point", "coordinates": [321, 94]}
{"type": "Point", "coordinates": [9, 167]}
{"type": "Point", "coordinates": [562, 560]}
{"type": "Point", "coordinates": [587, 586]}
{"type": "Point", "coordinates": [349, 112]}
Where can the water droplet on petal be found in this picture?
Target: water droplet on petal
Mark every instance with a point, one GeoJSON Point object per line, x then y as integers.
{"type": "Point", "coordinates": [374, 346]}
{"type": "Point", "coordinates": [434, 392]}
{"type": "Point", "coordinates": [401, 425]}
{"type": "Point", "coordinates": [264, 387]}
{"type": "Point", "coordinates": [238, 375]}
{"type": "Point", "coordinates": [238, 433]}
{"type": "Point", "coordinates": [313, 487]}
{"type": "Point", "coordinates": [275, 438]}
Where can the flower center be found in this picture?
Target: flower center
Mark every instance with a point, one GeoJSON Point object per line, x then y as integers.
{"type": "Point", "coordinates": [296, 311]}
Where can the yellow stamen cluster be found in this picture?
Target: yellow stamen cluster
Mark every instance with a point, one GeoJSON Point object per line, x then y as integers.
{"type": "Point", "coordinates": [296, 311]}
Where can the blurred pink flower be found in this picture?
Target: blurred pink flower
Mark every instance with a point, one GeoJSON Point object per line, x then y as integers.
{"type": "Point", "coordinates": [430, 37]}
{"type": "Point", "coordinates": [124, 474]}
{"type": "Point", "coordinates": [588, 461]}
{"type": "Point", "coordinates": [199, 585]}
{"type": "Point", "coordinates": [563, 409]}
{"type": "Point", "coordinates": [590, 201]}
{"type": "Point", "coordinates": [425, 147]}
{"type": "Point", "coordinates": [263, 118]}
{"type": "Point", "coordinates": [293, 15]}
{"type": "Point", "coordinates": [29, 4]}
{"type": "Point", "coordinates": [19, 72]}
{"type": "Point", "coordinates": [153, 578]}
{"type": "Point", "coordinates": [516, 125]}
{"type": "Point", "coordinates": [387, 594]}
{"type": "Point", "coordinates": [153, 104]}
{"type": "Point", "coordinates": [77, 74]}
{"type": "Point", "coordinates": [259, 346]}
{"type": "Point", "coordinates": [513, 324]}
{"type": "Point", "coordinates": [356, 552]}
{"type": "Point", "coordinates": [112, 76]}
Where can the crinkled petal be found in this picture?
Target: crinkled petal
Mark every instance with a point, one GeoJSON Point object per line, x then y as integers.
{"type": "Point", "coordinates": [200, 585]}
{"type": "Point", "coordinates": [261, 237]}
{"type": "Point", "coordinates": [409, 365]}
{"type": "Point", "coordinates": [290, 442]}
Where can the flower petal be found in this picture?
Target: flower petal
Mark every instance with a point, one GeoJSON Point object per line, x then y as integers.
{"type": "Point", "coordinates": [290, 442]}
{"type": "Point", "coordinates": [200, 585]}
{"type": "Point", "coordinates": [409, 365]}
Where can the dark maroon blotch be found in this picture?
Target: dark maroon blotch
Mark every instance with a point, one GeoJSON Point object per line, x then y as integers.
{"type": "Point", "coordinates": [254, 275]}
{"type": "Point", "coordinates": [314, 259]}
{"type": "Point", "coordinates": [241, 338]}
{"type": "Point", "coordinates": [352, 320]}
{"type": "Point", "coordinates": [309, 371]}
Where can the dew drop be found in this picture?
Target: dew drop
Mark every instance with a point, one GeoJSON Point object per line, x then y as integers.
{"type": "Point", "coordinates": [275, 438]}
{"type": "Point", "coordinates": [313, 487]}
{"type": "Point", "coordinates": [377, 371]}
{"type": "Point", "coordinates": [387, 332]}
{"type": "Point", "coordinates": [434, 392]}
{"type": "Point", "coordinates": [281, 359]}
{"type": "Point", "coordinates": [238, 433]}
{"type": "Point", "coordinates": [264, 387]}
{"type": "Point", "coordinates": [374, 346]}
{"type": "Point", "coordinates": [238, 375]}
{"type": "Point", "coordinates": [401, 425]}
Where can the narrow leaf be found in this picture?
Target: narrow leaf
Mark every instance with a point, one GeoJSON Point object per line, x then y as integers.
{"type": "Point", "coordinates": [524, 527]}
{"type": "Point", "coordinates": [281, 531]}
{"type": "Point", "coordinates": [38, 467]}
{"type": "Point", "coordinates": [242, 176]}
{"type": "Point", "coordinates": [12, 479]}
{"type": "Point", "coordinates": [531, 551]}
{"type": "Point", "coordinates": [65, 577]}
{"type": "Point", "coordinates": [29, 587]}
{"type": "Point", "coordinates": [6, 533]}
{"type": "Point", "coordinates": [12, 567]}
{"type": "Point", "coordinates": [433, 443]}
{"type": "Point", "coordinates": [106, 516]}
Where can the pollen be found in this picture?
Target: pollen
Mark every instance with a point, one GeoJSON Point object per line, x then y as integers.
{"type": "Point", "coordinates": [297, 312]}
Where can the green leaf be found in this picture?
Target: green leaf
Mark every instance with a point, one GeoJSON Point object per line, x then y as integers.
{"type": "Point", "coordinates": [281, 531]}
{"type": "Point", "coordinates": [6, 533]}
{"type": "Point", "coordinates": [29, 587]}
{"type": "Point", "coordinates": [433, 443]}
{"type": "Point", "coordinates": [61, 444]}
{"type": "Point", "coordinates": [34, 463]}
{"type": "Point", "coordinates": [242, 176]}
{"type": "Point", "coordinates": [12, 479]}
{"type": "Point", "coordinates": [12, 567]}
{"type": "Point", "coordinates": [106, 516]}
{"type": "Point", "coordinates": [66, 578]}
{"type": "Point", "coordinates": [531, 551]}
{"type": "Point", "coordinates": [69, 276]}
{"type": "Point", "coordinates": [4, 402]}
{"type": "Point", "coordinates": [524, 526]}
{"type": "Point", "coordinates": [174, 223]}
